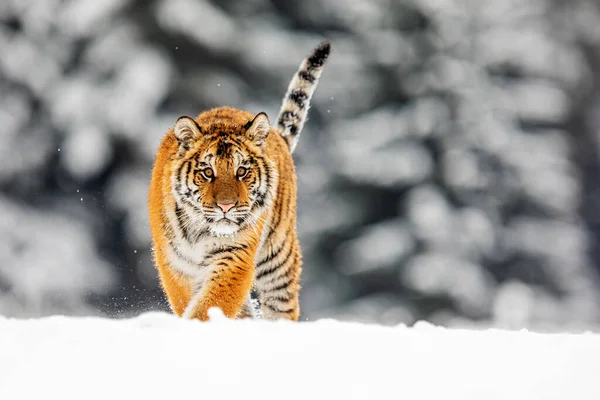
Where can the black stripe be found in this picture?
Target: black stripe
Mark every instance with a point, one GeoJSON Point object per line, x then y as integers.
{"type": "Point", "coordinates": [188, 165]}
{"type": "Point", "coordinates": [263, 169]}
{"type": "Point", "coordinates": [191, 204]}
{"type": "Point", "coordinates": [273, 268]}
{"type": "Point", "coordinates": [259, 202]}
{"type": "Point", "coordinates": [319, 55]}
{"type": "Point", "coordinates": [283, 299]}
{"type": "Point", "coordinates": [293, 130]}
{"type": "Point", "coordinates": [181, 256]}
{"type": "Point", "coordinates": [283, 285]}
{"type": "Point", "coordinates": [255, 184]}
{"type": "Point", "coordinates": [224, 147]}
{"type": "Point", "coordinates": [268, 178]}
{"type": "Point", "coordinates": [259, 161]}
{"type": "Point", "coordinates": [279, 310]}
{"type": "Point", "coordinates": [262, 165]}
{"type": "Point", "coordinates": [272, 255]}
{"type": "Point", "coordinates": [285, 197]}
{"type": "Point", "coordinates": [275, 223]}
{"type": "Point", "coordinates": [194, 172]}
{"type": "Point", "coordinates": [178, 183]}
{"type": "Point", "coordinates": [181, 223]}
{"type": "Point", "coordinates": [298, 96]}
{"type": "Point", "coordinates": [287, 116]}
{"type": "Point", "coordinates": [225, 250]}
{"type": "Point", "coordinates": [201, 233]}
{"type": "Point", "coordinates": [307, 76]}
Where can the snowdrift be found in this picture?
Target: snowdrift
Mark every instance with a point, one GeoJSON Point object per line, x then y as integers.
{"type": "Point", "coordinates": [159, 356]}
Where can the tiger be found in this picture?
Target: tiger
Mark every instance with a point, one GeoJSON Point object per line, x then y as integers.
{"type": "Point", "coordinates": [222, 207]}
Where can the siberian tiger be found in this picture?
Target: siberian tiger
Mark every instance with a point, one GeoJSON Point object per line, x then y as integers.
{"type": "Point", "coordinates": [222, 207]}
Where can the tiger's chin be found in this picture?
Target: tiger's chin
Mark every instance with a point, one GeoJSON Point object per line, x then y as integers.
{"type": "Point", "coordinates": [224, 227]}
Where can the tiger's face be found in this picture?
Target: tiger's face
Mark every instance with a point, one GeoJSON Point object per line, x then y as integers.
{"type": "Point", "coordinates": [223, 179]}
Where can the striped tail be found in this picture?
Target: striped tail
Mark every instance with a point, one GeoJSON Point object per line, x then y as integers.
{"type": "Point", "coordinates": [296, 102]}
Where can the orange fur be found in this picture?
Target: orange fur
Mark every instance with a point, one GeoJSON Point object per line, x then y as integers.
{"type": "Point", "coordinates": [229, 287]}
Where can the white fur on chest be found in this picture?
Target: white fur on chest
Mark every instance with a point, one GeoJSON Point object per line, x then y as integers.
{"type": "Point", "coordinates": [190, 258]}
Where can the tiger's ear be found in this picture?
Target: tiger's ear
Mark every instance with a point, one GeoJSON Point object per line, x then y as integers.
{"type": "Point", "coordinates": [186, 130]}
{"type": "Point", "coordinates": [258, 129]}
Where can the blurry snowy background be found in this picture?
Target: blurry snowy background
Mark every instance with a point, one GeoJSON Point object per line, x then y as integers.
{"type": "Point", "coordinates": [450, 169]}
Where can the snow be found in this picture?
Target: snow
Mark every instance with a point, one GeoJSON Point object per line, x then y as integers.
{"type": "Point", "coordinates": [159, 356]}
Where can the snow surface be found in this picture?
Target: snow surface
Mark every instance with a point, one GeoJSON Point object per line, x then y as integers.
{"type": "Point", "coordinates": [159, 356]}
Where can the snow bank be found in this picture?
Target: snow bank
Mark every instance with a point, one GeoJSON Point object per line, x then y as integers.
{"type": "Point", "coordinates": [158, 356]}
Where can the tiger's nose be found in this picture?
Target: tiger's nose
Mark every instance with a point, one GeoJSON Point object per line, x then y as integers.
{"type": "Point", "coordinates": [225, 206]}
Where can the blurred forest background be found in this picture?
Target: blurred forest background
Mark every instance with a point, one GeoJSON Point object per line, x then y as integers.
{"type": "Point", "coordinates": [449, 170]}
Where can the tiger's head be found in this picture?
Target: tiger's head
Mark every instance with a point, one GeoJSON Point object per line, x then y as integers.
{"type": "Point", "coordinates": [222, 176]}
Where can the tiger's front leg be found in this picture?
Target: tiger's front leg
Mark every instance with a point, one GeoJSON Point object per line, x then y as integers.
{"type": "Point", "coordinates": [227, 287]}
{"type": "Point", "coordinates": [276, 304]}
{"type": "Point", "coordinates": [278, 281]}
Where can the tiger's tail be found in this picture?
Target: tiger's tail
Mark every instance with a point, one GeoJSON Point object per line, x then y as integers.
{"type": "Point", "coordinates": [296, 102]}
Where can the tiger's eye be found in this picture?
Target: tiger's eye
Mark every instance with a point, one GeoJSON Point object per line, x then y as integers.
{"type": "Point", "coordinates": [208, 173]}
{"type": "Point", "coordinates": [241, 171]}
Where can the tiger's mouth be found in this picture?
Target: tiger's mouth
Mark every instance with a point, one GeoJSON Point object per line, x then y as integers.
{"type": "Point", "coordinates": [228, 223]}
